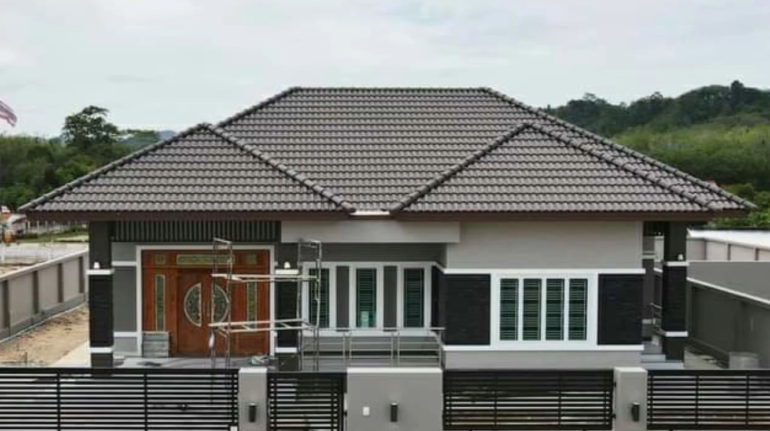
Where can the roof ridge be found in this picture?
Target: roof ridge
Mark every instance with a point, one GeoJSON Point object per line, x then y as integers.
{"type": "Point", "coordinates": [449, 173]}
{"type": "Point", "coordinates": [108, 167]}
{"type": "Point", "coordinates": [622, 148]}
{"type": "Point", "coordinates": [256, 107]}
{"type": "Point", "coordinates": [657, 181]}
{"type": "Point", "coordinates": [303, 179]}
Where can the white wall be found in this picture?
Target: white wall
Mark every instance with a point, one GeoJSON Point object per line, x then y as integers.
{"type": "Point", "coordinates": [371, 231]}
{"type": "Point", "coordinates": [547, 245]}
{"type": "Point", "coordinates": [741, 253]}
{"type": "Point", "coordinates": [716, 250]}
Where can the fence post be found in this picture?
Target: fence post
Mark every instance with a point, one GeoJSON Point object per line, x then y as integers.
{"type": "Point", "coordinates": [387, 399]}
{"type": "Point", "coordinates": [630, 388]}
{"type": "Point", "coordinates": [252, 389]}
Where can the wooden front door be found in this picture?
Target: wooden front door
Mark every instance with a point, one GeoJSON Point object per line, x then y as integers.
{"type": "Point", "coordinates": [182, 298]}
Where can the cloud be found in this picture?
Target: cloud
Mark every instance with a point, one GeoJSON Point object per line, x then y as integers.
{"type": "Point", "coordinates": [172, 63]}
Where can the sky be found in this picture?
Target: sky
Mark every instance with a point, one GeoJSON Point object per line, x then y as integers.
{"type": "Point", "coordinates": [170, 64]}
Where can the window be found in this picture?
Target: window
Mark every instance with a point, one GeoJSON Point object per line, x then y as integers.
{"type": "Point", "coordinates": [251, 301]}
{"type": "Point", "coordinates": [543, 309]}
{"type": "Point", "coordinates": [414, 297]}
{"type": "Point", "coordinates": [366, 297]}
{"type": "Point", "coordinates": [531, 309]}
{"type": "Point", "coordinates": [509, 309]}
{"type": "Point", "coordinates": [578, 297]}
{"type": "Point", "coordinates": [319, 295]}
{"type": "Point", "coordinates": [160, 302]}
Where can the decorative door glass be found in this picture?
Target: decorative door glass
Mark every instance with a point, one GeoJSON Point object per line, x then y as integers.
{"type": "Point", "coordinates": [221, 304]}
{"type": "Point", "coordinates": [192, 305]}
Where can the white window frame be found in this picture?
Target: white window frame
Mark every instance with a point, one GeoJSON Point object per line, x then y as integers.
{"type": "Point", "coordinates": [592, 310]}
{"type": "Point", "coordinates": [353, 297]}
{"type": "Point", "coordinates": [332, 267]}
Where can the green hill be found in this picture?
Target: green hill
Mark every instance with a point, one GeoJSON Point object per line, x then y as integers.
{"type": "Point", "coordinates": [717, 133]}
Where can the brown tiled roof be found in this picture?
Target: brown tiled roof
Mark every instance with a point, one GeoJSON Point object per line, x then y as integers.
{"type": "Point", "coordinates": [200, 170]}
{"type": "Point", "coordinates": [402, 150]}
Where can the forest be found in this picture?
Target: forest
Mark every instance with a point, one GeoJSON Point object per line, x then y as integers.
{"type": "Point", "coordinates": [717, 133]}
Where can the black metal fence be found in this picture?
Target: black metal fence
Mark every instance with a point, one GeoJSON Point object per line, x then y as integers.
{"type": "Point", "coordinates": [306, 401]}
{"type": "Point", "coordinates": [118, 399]}
{"type": "Point", "coordinates": [708, 399]}
{"type": "Point", "coordinates": [528, 399]}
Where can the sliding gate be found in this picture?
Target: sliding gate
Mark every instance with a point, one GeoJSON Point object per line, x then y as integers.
{"type": "Point", "coordinates": [708, 400]}
{"type": "Point", "coordinates": [528, 399]}
{"type": "Point", "coordinates": [306, 401]}
{"type": "Point", "coordinates": [118, 399]}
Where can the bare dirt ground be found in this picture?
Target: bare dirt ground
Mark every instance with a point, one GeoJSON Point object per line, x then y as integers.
{"type": "Point", "coordinates": [50, 341]}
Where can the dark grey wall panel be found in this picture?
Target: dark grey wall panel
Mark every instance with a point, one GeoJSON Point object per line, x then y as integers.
{"type": "Point", "coordinates": [466, 308]}
{"type": "Point", "coordinates": [390, 291]}
{"type": "Point", "coordinates": [99, 244]}
{"type": "Point", "coordinates": [383, 252]}
{"type": "Point", "coordinates": [343, 296]}
{"type": "Point", "coordinates": [674, 298]}
{"type": "Point", "coordinates": [101, 311]}
{"type": "Point", "coordinates": [285, 308]}
{"type": "Point", "coordinates": [435, 297]}
{"type": "Point", "coordinates": [620, 308]}
{"type": "Point", "coordinates": [197, 231]}
{"type": "Point", "coordinates": [124, 299]}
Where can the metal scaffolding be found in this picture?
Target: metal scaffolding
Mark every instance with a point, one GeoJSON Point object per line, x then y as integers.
{"type": "Point", "coordinates": [308, 271]}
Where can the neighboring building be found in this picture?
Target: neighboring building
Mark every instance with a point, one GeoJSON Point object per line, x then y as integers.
{"type": "Point", "coordinates": [517, 234]}
{"type": "Point", "coordinates": [729, 277]}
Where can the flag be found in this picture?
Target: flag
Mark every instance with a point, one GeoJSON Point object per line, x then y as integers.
{"type": "Point", "coordinates": [7, 114]}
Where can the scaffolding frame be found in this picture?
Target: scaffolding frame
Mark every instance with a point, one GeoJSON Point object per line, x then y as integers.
{"type": "Point", "coordinates": [223, 270]}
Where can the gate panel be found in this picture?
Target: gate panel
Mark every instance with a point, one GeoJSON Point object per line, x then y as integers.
{"type": "Point", "coordinates": [307, 401]}
{"type": "Point", "coordinates": [708, 399]}
{"type": "Point", "coordinates": [528, 399]}
{"type": "Point", "coordinates": [118, 399]}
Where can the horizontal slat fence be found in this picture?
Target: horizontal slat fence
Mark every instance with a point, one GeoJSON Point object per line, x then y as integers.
{"type": "Point", "coordinates": [306, 401]}
{"type": "Point", "coordinates": [118, 399]}
{"type": "Point", "coordinates": [708, 399]}
{"type": "Point", "coordinates": [528, 399]}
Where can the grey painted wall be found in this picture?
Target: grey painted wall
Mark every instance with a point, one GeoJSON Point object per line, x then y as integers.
{"type": "Point", "coordinates": [417, 391]}
{"type": "Point", "coordinates": [124, 296]}
{"type": "Point", "coordinates": [752, 278]}
{"type": "Point", "coordinates": [547, 245]}
{"type": "Point", "coordinates": [32, 294]}
{"type": "Point", "coordinates": [542, 359]}
{"type": "Point", "coordinates": [334, 252]}
{"type": "Point", "coordinates": [371, 231]}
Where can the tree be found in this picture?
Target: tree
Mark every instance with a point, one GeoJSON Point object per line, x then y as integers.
{"type": "Point", "coordinates": [88, 132]}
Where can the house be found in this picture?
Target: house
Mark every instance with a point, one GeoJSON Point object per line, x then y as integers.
{"type": "Point", "coordinates": [516, 237]}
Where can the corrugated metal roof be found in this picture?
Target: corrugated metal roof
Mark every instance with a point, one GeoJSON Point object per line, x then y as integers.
{"type": "Point", "coordinates": [412, 150]}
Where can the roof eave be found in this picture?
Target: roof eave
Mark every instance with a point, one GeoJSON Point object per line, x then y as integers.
{"type": "Point", "coordinates": [88, 216]}
{"type": "Point", "coordinates": [567, 216]}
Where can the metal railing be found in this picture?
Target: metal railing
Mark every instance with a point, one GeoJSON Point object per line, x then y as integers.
{"type": "Point", "coordinates": [656, 317]}
{"type": "Point", "coordinates": [385, 346]}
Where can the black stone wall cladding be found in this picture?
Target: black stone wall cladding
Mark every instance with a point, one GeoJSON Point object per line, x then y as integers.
{"type": "Point", "coordinates": [620, 308]}
{"type": "Point", "coordinates": [100, 306]}
{"type": "Point", "coordinates": [466, 307]}
{"type": "Point", "coordinates": [343, 293]}
{"type": "Point", "coordinates": [390, 277]}
{"type": "Point", "coordinates": [435, 298]}
{"type": "Point", "coordinates": [674, 298]}
{"type": "Point", "coordinates": [285, 308]}
{"type": "Point", "coordinates": [99, 245]}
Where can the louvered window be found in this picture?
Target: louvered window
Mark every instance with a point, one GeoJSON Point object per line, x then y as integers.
{"type": "Point", "coordinates": [366, 297]}
{"type": "Point", "coordinates": [531, 309]}
{"type": "Point", "coordinates": [319, 299]}
{"type": "Point", "coordinates": [578, 297]}
{"type": "Point", "coordinates": [509, 309]}
{"type": "Point", "coordinates": [554, 309]}
{"type": "Point", "coordinates": [543, 309]}
{"type": "Point", "coordinates": [414, 294]}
